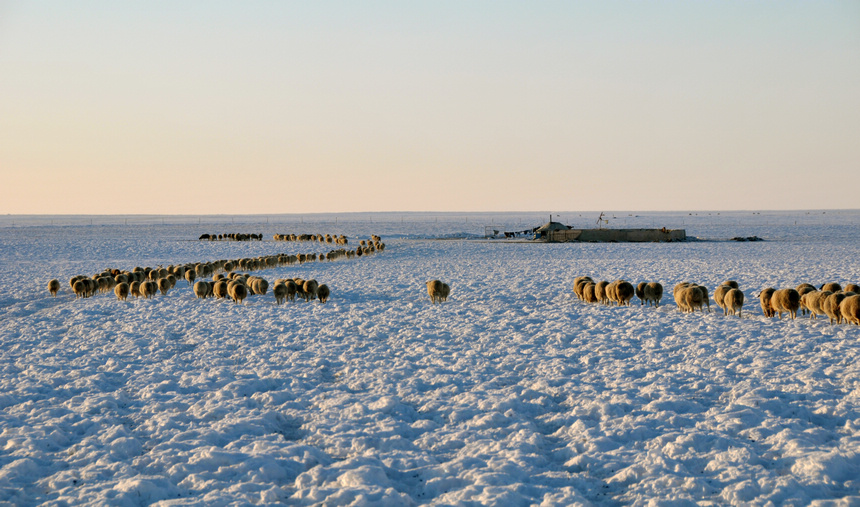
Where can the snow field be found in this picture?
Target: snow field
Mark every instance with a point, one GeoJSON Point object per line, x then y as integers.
{"type": "Point", "coordinates": [510, 393]}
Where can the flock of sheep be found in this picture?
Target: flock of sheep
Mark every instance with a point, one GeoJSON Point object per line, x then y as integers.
{"type": "Point", "coordinates": [147, 282]}
{"type": "Point", "coordinates": [831, 299]}
{"type": "Point", "coordinates": [231, 236]}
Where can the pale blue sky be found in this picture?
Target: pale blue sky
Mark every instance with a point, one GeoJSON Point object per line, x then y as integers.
{"type": "Point", "coordinates": [279, 107]}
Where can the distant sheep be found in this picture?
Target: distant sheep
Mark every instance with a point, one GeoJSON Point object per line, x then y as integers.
{"type": "Point", "coordinates": [122, 290]}
{"type": "Point", "coordinates": [850, 309]}
{"type": "Point", "coordinates": [323, 293]}
{"type": "Point", "coordinates": [785, 300]}
{"type": "Point", "coordinates": [190, 275]}
{"type": "Point", "coordinates": [54, 287]}
{"type": "Point", "coordinates": [134, 289]}
{"type": "Point", "coordinates": [734, 302]}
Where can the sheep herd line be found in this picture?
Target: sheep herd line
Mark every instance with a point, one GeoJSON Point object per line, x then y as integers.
{"type": "Point", "coordinates": [831, 299]}
{"type": "Point", "coordinates": [147, 282]}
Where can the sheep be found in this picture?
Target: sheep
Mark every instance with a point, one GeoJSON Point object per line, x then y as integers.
{"type": "Point", "coordinates": [260, 286]}
{"type": "Point", "coordinates": [832, 287]}
{"type": "Point", "coordinates": [579, 283]}
{"type": "Point", "coordinates": [764, 298]}
{"type": "Point", "coordinates": [588, 294]}
{"type": "Point", "coordinates": [54, 287]}
{"type": "Point", "coordinates": [611, 293]}
{"type": "Point", "coordinates": [624, 292]}
{"type": "Point", "coordinates": [310, 288]}
{"type": "Point", "coordinates": [785, 300]}
{"type": "Point", "coordinates": [446, 289]}
{"type": "Point", "coordinates": [80, 289]}
{"type": "Point", "coordinates": [121, 290]}
{"type": "Point", "coordinates": [733, 301]}
{"type": "Point", "coordinates": [852, 287]}
{"type": "Point", "coordinates": [653, 293]}
{"type": "Point", "coordinates": [831, 307]}
{"type": "Point", "coordinates": [323, 293]}
{"type": "Point", "coordinates": [190, 275]}
{"type": "Point", "coordinates": [678, 294]}
{"type": "Point", "coordinates": [279, 290]}
{"type": "Point", "coordinates": [163, 285]}
{"type": "Point", "coordinates": [434, 290]}
{"type": "Point", "coordinates": [850, 309]}
{"type": "Point", "coordinates": [219, 289]}
{"type": "Point", "coordinates": [705, 299]}
{"type": "Point", "coordinates": [291, 290]}
{"type": "Point", "coordinates": [148, 289]}
{"type": "Point", "coordinates": [804, 289]}
{"type": "Point", "coordinates": [237, 291]}
{"type": "Point", "coordinates": [719, 295]}
{"type": "Point", "coordinates": [134, 289]}
{"type": "Point", "coordinates": [731, 283]}
{"type": "Point", "coordinates": [600, 292]}
{"type": "Point", "coordinates": [812, 302]}
{"type": "Point", "coordinates": [640, 292]}
{"type": "Point", "coordinates": [202, 289]}
{"type": "Point", "coordinates": [693, 298]}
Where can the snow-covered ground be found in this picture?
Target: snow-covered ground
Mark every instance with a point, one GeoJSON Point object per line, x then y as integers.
{"type": "Point", "coordinates": [510, 393]}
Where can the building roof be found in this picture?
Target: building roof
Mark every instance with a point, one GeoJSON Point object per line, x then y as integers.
{"type": "Point", "coordinates": [552, 226]}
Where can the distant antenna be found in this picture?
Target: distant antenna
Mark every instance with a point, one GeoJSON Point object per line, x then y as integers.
{"type": "Point", "coordinates": [600, 221]}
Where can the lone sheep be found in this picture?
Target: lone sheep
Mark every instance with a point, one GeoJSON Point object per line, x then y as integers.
{"type": "Point", "coordinates": [434, 290]}
{"type": "Point", "coordinates": [54, 287]}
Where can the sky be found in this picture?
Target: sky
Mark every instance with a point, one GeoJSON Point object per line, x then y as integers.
{"type": "Point", "coordinates": [301, 107]}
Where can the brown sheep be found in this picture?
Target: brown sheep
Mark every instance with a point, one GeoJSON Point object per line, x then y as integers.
{"type": "Point", "coordinates": [190, 275]}
{"type": "Point", "coordinates": [148, 289]}
{"type": "Point", "coordinates": [446, 289]}
{"type": "Point", "coordinates": [764, 299]}
{"type": "Point", "coordinates": [323, 293]}
{"type": "Point", "coordinates": [588, 294]}
{"type": "Point", "coordinates": [731, 283]}
{"type": "Point", "coordinates": [624, 292]}
{"type": "Point", "coordinates": [640, 292]}
{"type": "Point", "coordinates": [600, 292]}
{"type": "Point", "coordinates": [434, 290]}
{"type": "Point", "coordinates": [654, 293]}
{"type": "Point", "coordinates": [163, 286]}
{"type": "Point", "coordinates": [309, 288]}
{"type": "Point", "coordinates": [279, 290]}
{"type": "Point", "coordinates": [852, 287]}
{"type": "Point", "coordinates": [785, 300]}
{"type": "Point", "coordinates": [579, 283]}
{"type": "Point", "coordinates": [54, 287]}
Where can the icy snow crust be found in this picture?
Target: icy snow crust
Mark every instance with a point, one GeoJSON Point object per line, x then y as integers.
{"type": "Point", "coordinates": [511, 393]}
